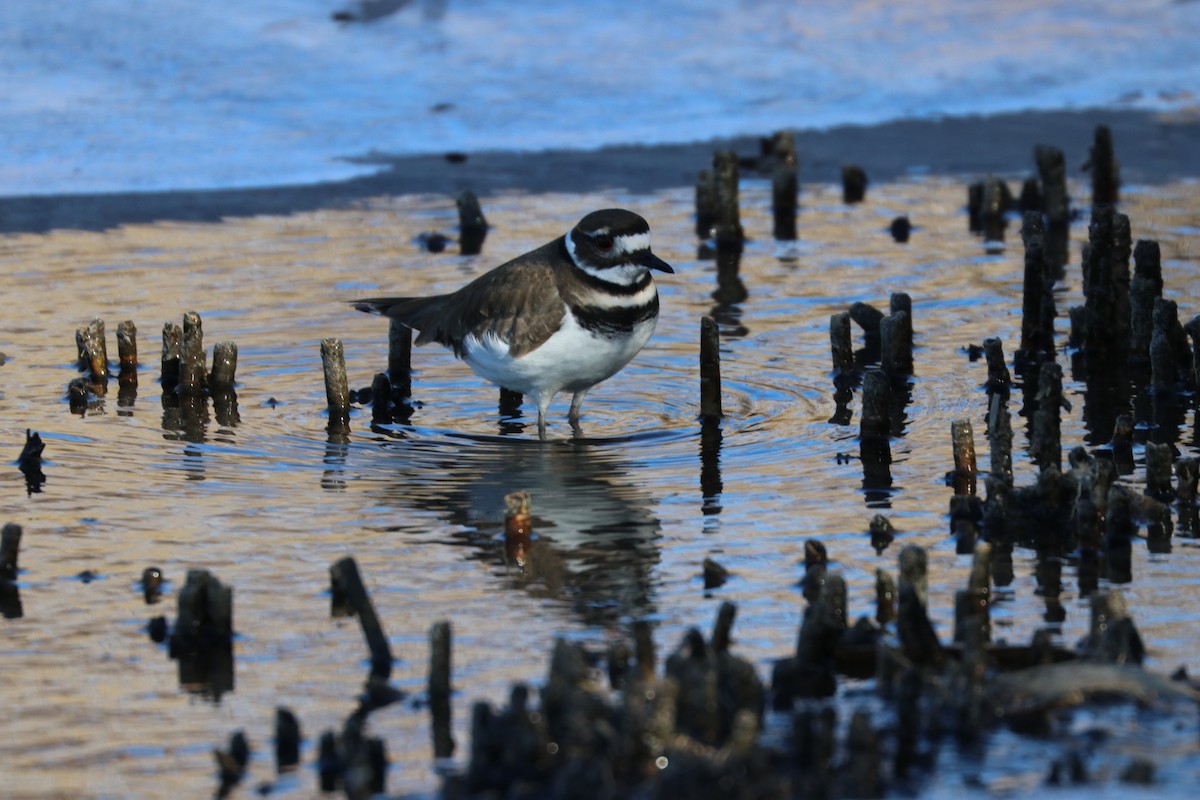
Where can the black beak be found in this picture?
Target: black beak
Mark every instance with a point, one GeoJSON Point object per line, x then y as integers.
{"type": "Point", "coordinates": [648, 259]}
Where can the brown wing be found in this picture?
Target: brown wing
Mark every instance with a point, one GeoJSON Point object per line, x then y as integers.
{"type": "Point", "coordinates": [488, 304]}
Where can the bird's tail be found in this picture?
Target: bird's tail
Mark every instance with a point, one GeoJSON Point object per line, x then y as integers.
{"type": "Point", "coordinates": [409, 310]}
{"type": "Point", "coordinates": [420, 313]}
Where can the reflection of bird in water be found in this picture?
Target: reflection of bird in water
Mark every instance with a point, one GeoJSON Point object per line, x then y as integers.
{"type": "Point", "coordinates": [594, 531]}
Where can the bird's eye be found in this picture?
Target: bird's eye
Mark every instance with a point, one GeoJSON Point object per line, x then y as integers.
{"type": "Point", "coordinates": [604, 243]}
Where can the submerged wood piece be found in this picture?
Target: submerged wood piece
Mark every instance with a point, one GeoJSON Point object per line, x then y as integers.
{"type": "Point", "coordinates": [1042, 689]}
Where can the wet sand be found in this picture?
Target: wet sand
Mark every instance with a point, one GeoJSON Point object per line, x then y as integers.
{"type": "Point", "coordinates": [1153, 148]}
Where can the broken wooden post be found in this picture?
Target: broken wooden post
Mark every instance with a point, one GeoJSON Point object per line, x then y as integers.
{"type": "Point", "coordinates": [439, 689]}
{"type": "Point", "coordinates": [337, 390]}
{"type": "Point", "coordinates": [192, 378]}
{"type": "Point", "coordinates": [472, 226]}
{"type": "Point", "coordinates": [172, 351]}
{"type": "Point", "coordinates": [710, 370]}
{"type": "Point", "coordinates": [344, 573]}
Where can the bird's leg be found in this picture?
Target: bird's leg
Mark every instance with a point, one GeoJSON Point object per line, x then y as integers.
{"type": "Point", "coordinates": [576, 404]}
{"type": "Point", "coordinates": [543, 405]}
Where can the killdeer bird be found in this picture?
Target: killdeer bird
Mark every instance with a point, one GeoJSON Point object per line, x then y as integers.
{"type": "Point", "coordinates": [562, 317]}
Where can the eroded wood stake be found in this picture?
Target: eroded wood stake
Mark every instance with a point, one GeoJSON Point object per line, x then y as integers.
{"type": "Point", "coordinates": [337, 390]}
{"type": "Point", "coordinates": [710, 370]}
{"type": "Point", "coordinates": [127, 351]}
{"type": "Point", "coordinates": [728, 223]}
{"type": "Point", "coordinates": [885, 596]}
{"type": "Point", "coordinates": [472, 226]}
{"type": "Point", "coordinates": [344, 573]}
{"type": "Point", "coordinates": [287, 740]}
{"type": "Point", "coordinates": [999, 433]}
{"type": "Point", "coordinates": [991, 211]}
{"type": "Point", "coordinates": [509, 403]}
{"type": "Point", "coordinates": [439, 689]}
{"type": "Point", "coordinates": [224, 367]}
{"type": "Point", "coordinates": [785, 186]}
{"type": "Point", "coordinates": [192, 357]}
{"type": "Point", "coordinates": [172, 349]}
{"type": "Point", "coordinates": [895, 344]}
{"type": "Point", "coordinates": [399, 369]}
{"type": "Point", "coordinates": [10, 545]}
{"type": "Point", "coordinates": [1145, 288]}
{"type": "Point", "coordinates": [1052, 167]}
{"type": "Point", "coordinates": [93, 354]}
{"type": "Point", "coordinates": [840, 342]}
{"type": "Point", "coordinates": [874, 421]}
{"type": "Point", "coordinates": [1105, 168]}
{"type": "Point", "coordinates": [963, 439]}
{"type": "Point", "coordinates": [518, 520]}
{"type": "Point", "coordinates": [706, 203]}
{"type": "Point", "coordinates": [1045, 441]}
{"type": "Point", "coordinates": [854, 184]}
{"type": "Point", "coordinates": [381, 399]}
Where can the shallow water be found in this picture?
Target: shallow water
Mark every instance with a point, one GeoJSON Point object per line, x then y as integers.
{"type": "Point", "coordinates": [625, 515]}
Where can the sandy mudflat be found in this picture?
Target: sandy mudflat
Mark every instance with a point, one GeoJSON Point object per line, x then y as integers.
{"type": "Point", "coordinates": [1152, 148]}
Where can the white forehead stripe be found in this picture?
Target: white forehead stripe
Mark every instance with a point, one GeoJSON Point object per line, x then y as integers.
{"type": "Point", "coordinates": [633, 242]}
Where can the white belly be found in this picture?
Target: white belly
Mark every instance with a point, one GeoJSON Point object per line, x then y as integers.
{"type": "Point", "coordinates": [573, 359]}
